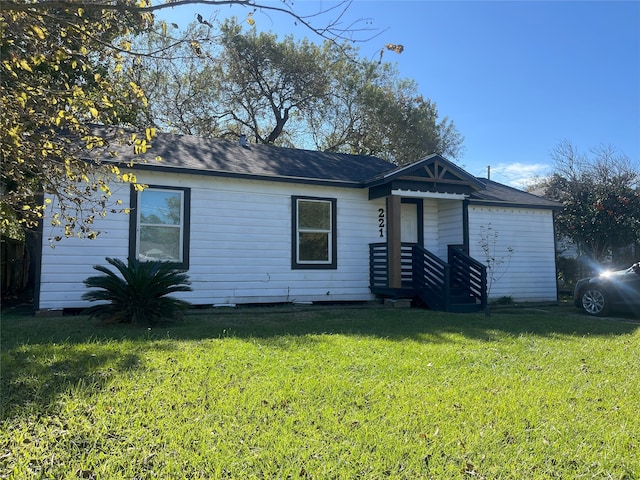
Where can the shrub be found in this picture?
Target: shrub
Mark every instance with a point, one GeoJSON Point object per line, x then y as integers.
{"type": "Point", "coordinates": [569, 271]}
{"type": "Point", "coordinates": [506, 300]}
{"type": "Point", "coordinates": [140, 294]}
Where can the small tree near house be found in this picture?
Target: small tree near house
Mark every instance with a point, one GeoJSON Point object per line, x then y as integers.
{"type": "Point", "coordinates": [496, 258]}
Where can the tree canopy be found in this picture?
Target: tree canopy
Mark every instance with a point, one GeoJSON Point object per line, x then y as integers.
{"type": "Point", "coordinates": [59, 75]}
{"type": "Point", "coordinates": [297, 94]}
{"type": "Point", "coordinates": [600, 194]}
{"type": "Point", "coordinates": [67, 65]}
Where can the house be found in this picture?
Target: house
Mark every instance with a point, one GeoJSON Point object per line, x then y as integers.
{"type": "Point", "coordinates": [263, 224]}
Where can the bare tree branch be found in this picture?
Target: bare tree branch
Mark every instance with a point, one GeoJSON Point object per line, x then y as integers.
{"type": "Point", "coordinates": [332, 31]}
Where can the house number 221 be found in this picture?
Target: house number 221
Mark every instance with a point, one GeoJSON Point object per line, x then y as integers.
{"type": "Point", "coordinates": [381, 221]}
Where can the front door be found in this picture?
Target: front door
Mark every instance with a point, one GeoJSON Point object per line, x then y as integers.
{"type": "Point", "coordinates": [409, 223]}
{"type": "Point", "coordinates": [404, 226]}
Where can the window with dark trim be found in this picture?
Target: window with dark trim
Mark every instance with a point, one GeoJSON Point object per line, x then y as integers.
{"type": "Point", "coordinates": [313, 233]}
{"type": "Point", "coordinates": [159, 225]}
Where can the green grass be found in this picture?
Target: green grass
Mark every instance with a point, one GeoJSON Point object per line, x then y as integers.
{"type": "Point", "coordinates": [323, 393]}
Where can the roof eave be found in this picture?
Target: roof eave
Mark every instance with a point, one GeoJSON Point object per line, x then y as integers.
{"type": "Point", "coordinates": [247, 176]}
{"type": "Point", "coordinates": [502, 203]}
{"type": "Point", "coordinates": [474, 182]}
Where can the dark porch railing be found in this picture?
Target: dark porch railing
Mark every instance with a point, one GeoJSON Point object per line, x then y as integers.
{"type": "Point", "coordinates": [378, 270]}
{"type": "Point", "coordinates": [468, 275]}
{"type": "Point", "coordinates": [379, 266]}
{"type": "Point", "coordinates": [459, 284]}
{"type": "Point", "coordinates": [432, 278]}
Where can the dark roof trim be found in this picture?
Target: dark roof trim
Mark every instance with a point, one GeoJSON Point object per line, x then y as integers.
{"type": "Point", "coordinates": [498, 194]}
{"type": "Point", "coordinates": [191, 155]}
{"type": "Point", "coordinates": [244, 176]}
{"type": "Point", "coordinates": [382, 187]}
{"type": "Point", "coordinates": [406, 170]}
{"type": "Point", "coordinates": [501, 203]}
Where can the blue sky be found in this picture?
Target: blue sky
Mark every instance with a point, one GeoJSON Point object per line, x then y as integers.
{"type": "Point", "coordinates": [516, 77]}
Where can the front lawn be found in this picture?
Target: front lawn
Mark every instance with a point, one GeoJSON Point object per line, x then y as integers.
{"type": "Point", "coordinates": [322, 393]}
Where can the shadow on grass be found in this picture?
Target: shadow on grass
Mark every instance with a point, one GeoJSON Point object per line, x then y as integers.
{"type": "Point", "coordinates": [43, 358]}
{"type": "Point", "coordinates": [35, 375]}
{"type": "Point", "coordinates": [264, 322]}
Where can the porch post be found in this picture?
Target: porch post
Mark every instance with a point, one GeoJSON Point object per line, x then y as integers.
{"type": "Point", "coordinates": [394, 245]}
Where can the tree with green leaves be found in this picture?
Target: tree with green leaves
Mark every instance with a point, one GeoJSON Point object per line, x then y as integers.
{"type": "Point", "coordinates": [65, 66]}
{"type": "Point", "coordinates": [297, 94]}
{"type": "Point", "coordinates": [59, 75]}
{"type": "Point", "coordinates": [374, 112]}
{"type": "Point", "coordinates": [600, 194]}
{"type": "Point", "coordinates": [262, 82]}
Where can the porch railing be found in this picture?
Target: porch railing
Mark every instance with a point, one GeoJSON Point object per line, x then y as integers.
{"type": "Point", "coordinates": [379, 266]}
{"type": "Point", "coordinates": [431, 278]}
{"type": "Point", "coordinates": [441, 285]}
{"type": "Point", "coordinates": [378, 260]}
{"type": "Point", "coordinates": [406, 257]}
{"type": "Point", "coordinates": [468, 275]}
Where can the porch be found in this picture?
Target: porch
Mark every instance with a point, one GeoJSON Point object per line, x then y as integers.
{"type": "Point", "coordinates": [458, 285]}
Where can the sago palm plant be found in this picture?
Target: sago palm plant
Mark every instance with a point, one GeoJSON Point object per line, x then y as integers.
{"type": "Point", "coordinates": [138, 294]}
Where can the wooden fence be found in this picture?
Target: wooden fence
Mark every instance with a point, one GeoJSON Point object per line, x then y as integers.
{"type": "Point", "coordinates": [14, 273]}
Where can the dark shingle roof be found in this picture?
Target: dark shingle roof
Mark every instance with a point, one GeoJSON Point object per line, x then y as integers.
{"type": "Point", "coordinates": [188, 152]}
{"type": "Point", "coordinates": [209, 156]}
{"type": "Point", "coordinates": [497, 193]}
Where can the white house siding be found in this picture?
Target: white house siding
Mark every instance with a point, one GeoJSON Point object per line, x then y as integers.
{"type": "Point", "coordinates": [526, 274]}
{"type": "Point", "coordinates": [442, 225]}
{"type": "Point", "coordinates": [240, 245]}
{"type": "Point", "coordinates": [66, 263]}
{"type": "Point", "coordinates": [450, 225]}
{"type": "Point", "coordinates": [430, 218]}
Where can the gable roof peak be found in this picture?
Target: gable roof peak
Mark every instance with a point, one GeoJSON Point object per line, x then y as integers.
{"type": "Point", "coordinates": [435, 168]}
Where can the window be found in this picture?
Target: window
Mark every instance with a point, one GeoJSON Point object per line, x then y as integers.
{"type": "Point", "coordinates": [159, 228]}
{"type": "Point", "coordinates": [313, 233]}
